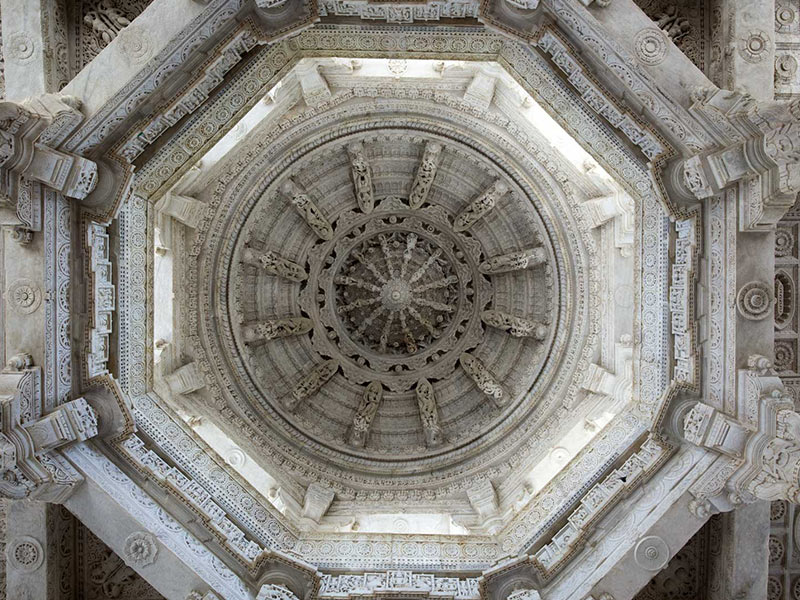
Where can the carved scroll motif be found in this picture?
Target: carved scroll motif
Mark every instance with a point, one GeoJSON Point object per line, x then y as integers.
{"type": "Point", "coordinates": [362, 178]}
{"type": "Point", "coordinates": [311, 383]}
{"type": "Point", "coordinates": [366, 412]}
{"type": "Point", "coordinates": [307, 210]}
{"type": "Point", "coordinates": [278, 328]}
{"type": "Point", "coordinates": [516, 326]}
{"type": "Point", "coordinates": [482, 378]}
{"type": "Point", "coordinates": [480, 206]}
{"type": "Point", "coordinates": [426, 400]}
{"type": "Point", "coordinates": [514, 261]}
{"type": "Point", "coordinates": [426, 173]}
{"type": "Point", "coordinates": [274, 264]}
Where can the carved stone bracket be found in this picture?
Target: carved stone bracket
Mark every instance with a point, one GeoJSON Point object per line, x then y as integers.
{"type": "Point", "coordinates": [29, 135]}
{"type": "Point", "coordinates": [757, 149]}
{"type": "Point", "coordinates": [317, 501]}
{"type": "Point", "coordinates": [102, 300]}
{"type": "Point", "coordinates": [761, 442]}
{"type": "Point", "coordinates": [29, 442]}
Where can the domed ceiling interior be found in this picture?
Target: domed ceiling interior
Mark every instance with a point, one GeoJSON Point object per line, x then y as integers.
{"type": "Point", "coordinates": [412, 289]}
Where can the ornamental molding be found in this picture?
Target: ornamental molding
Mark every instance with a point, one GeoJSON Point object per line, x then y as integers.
{"type": "Point", "coordinates": [102, 300]}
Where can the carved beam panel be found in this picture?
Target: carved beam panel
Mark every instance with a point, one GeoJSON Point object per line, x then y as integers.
{"type": "Point", "coordinates": [428, 413]}
{"type": "Point", "coordinates": [514, 261]}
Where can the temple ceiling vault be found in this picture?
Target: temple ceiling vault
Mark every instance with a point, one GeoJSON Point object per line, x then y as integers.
{"type": "Point", "coordinates": [355, 299]}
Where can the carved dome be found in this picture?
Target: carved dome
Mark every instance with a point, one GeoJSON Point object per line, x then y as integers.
{"type": "Point", "coordinates": [397, 298]}
{"type": "Point", "coordinates": [449, 289]}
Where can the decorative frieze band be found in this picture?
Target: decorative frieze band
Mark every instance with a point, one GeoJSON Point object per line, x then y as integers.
{"type": "Point", "coordinates": [394, 582]}
{"type": "Point", "coordinates": [102, 300]}
{"type": "Point", "coordinates": [597, 99]}
{"type": "Point", "coordinates": [681, 302]}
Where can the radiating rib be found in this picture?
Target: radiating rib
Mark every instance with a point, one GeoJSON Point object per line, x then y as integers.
{"type": "Point", "coordinates": [387, 257]}
{"type": "Point", "coordinates": [516, 326]}
{"type": "Point", "coordinates": [385, 333]}
{"type": "Point", "coordinates": [423, 268]}
{"type": "Point", "coordinates": [411, 243]}
{"type": "Point", "coordinates": [422, 321]}
{"type": "Point", "coordinates": [441, 307]}
{"type": "Point", "coordinates": [360, 303]}
{"type": "Point", "coordinates": [311, 383]}
{"type": "Point", "coordinates": [369, 266]}
{"type": "Point", "coordinates": [482, 378]}
{"type": "Point", "coordinates": [364, 415]}
{"type": "Point", "coordinates": [354, 282]}
{"type": "Point", "coordinates": [277, 328]}
{"type": "Point", "coordinates": [433, 285]}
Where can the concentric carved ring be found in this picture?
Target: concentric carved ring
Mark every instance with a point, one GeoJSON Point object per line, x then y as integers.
{"type": "Point", "coordinates": [755, 300]}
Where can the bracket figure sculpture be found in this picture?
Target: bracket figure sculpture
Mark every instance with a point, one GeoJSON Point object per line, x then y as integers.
{"type": "Point", "coordinates": [760, 445]}
{"type": "Point", "coordinates": [757, 148]}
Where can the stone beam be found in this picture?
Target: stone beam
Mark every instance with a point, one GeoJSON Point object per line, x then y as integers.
{"type": "Point", "coordinates": [127, 53]}
{"type": "Point", "coordinates": [150, 541]}
{"type": "Point", "coordinates": [741, 568]}
{"type": "Point", "coordinates": [30, 33]}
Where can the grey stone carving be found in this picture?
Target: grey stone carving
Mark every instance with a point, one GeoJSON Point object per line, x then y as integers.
{"type": "Point", "coordinates": [516, 326]}
{"type": "Point", "coordinates": [426, 173]}
{"type": "Point", "coordinates": [312, 382]}
{"type": "Point", "coordinates": [483, 378]}
{"type": "Point", "coordinates": [277, 328]}
{"type": "Point", "coordinates": [514, 261]}
{"type": "Point", "coordinates": [317, 501]}
{"type": "Point", "coordinates": [141, 549]}
{"type": "Point", "coordinates": [362, 177]}
{"type": "Point", "coordinates": [106, 20]}
{"type": "Point", "coordinates": [307, 210]}
{"type": "Point", "coordinates": [275, 264]}
{"type": "Point", "coordinates": [426, 400]}
{"type": "Point", "coordinates": [366, 412]}
{"type": "Point", "coordinates": [481, 206]}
